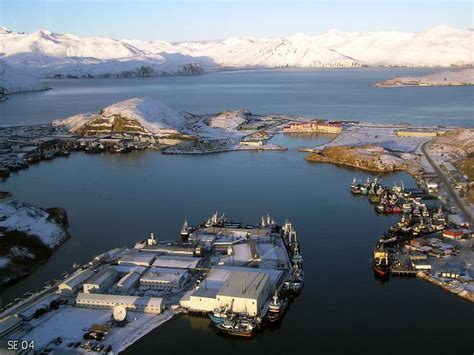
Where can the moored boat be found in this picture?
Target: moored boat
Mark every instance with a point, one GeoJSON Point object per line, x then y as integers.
{"type": "Point", "coordinates": [277, 308]}
{"type": "Point", "coordinates": [242, 327]}
{"type": "Point", "coordinates": [186, 231]}
{"type": "Point", "coordinates": [380, 262]}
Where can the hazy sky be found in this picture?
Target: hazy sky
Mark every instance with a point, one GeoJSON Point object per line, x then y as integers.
{"type": "Point", "coordinates": [217, 19]}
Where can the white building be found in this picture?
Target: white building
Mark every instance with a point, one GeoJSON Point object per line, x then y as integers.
{"type": "Point", "coordinates": [137, 258]}
{"type": "Point", "coordinates": [131, 303]}
{"type": "Point", "coordinates": [162, 279]}
{"type": "Point", "coordinates": [127, 282]}
{"type": "Point", "coordinates": [75, 281]}
{"type": "Point", "coordinates": [101, 281]}
{"type": "Point", "coordinates": [240, 291]}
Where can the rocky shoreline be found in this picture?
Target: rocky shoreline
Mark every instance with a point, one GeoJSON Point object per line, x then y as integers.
{"type": "Point", "coordinates": [447, 78]}
{"type": "Point", "coordinates": [29, 235]}
{"type": "Point", "coordinates": [369, 158]}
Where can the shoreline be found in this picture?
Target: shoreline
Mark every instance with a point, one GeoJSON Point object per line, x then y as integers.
{"type": "Point", "coordinates": [465, 294]}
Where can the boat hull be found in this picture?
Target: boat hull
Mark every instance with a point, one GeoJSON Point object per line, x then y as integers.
{"type": "Point", "coordinates": [382, 272]}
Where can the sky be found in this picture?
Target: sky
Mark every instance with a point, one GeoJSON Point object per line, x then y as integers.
{"type": "Point", "coordinates": [183, 20]}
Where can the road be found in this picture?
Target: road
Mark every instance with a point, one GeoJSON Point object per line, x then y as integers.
{"type": "Point", "coordinates": [461, 206]}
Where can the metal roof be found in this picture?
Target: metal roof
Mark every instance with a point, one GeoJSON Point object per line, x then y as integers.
{"type": "Point", "coordinates": [244, 284]}
{"type": "Point", "coordinates": [118, 299]}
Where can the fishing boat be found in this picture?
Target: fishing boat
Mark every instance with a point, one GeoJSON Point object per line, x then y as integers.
{"type": "Point", "coordinates": [238, 327]}
{"type": "Point", "coordinates": [215, 221]}
{"type": "Point", "coordinates": [380, 208]}
{"type": "Point", "coordinates": [186, 231]}
{"type": "Point", "coordinates": [395, 209]}
{"type": "Point", "coordinates": [381, 264]}
{"type": "Point", "coordinates": [388, 240]}
{"type": "Point", "coordinates": [406, 207]}
{"type": "Point", "coordinates": [374, 198]}
{"type": "Point", "coordinates": [356, 187]}
{"type": "Point", "coordinates": [220, 314]}
{"type": "Point", "coordinates": [277, 308]}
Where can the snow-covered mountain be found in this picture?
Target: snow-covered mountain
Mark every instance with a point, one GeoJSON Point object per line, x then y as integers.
{"type": "Point", "coordinates": [51, 54]}
{"type": "Point", "coordinates": [65, 55]}
{"type": "Point", "coordinates": [13, 81]}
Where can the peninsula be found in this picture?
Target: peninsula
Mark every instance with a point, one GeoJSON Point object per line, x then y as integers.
{"type": "Point", "coordinates": [445, 78]}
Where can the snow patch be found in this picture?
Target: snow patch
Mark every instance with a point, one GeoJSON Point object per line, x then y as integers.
{"type": "Point", "coordinates": [31, 220]}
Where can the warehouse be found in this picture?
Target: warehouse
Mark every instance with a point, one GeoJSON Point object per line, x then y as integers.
{"type": "Point", "coordinates": [137, 258]}
{"type": "Point", "coordinates": [162, 279]}
{"type": "Point", "coordinates": [127, 282]}
{"type": "Point", "coordinates": [101, 281]}
{"type": "Point", "coordinates": [74, 282]}
{"type": "Point", "coordinates": [175, 261]}
{"type": "Point", "coordinates": [131, 303]}
{"type": "Point", "coordinates": [243, 292]}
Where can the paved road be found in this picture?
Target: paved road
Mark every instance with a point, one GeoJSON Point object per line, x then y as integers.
{"type": "Point", "coordinates": [448, 185]}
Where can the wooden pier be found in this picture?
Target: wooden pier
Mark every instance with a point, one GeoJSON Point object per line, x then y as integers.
{"type": "Point", "coordinates": [403, 272]}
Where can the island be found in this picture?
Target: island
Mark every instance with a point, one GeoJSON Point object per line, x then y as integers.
{"type": "Point", "coordinates": [445, 78]}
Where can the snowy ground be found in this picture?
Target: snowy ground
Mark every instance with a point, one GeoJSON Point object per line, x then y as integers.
{"type": "Point", "coordinates": [31, 220]}
{"type": "Point", "coordinates": [69, 323]}
{"type": "Point", "coordinates": [382, 136]}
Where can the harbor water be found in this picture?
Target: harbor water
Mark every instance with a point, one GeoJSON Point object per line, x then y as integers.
{"type": "Point", "coordinates": [115, 200]}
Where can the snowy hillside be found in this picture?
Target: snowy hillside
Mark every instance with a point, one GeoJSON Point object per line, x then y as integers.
{"type": "Point", "coordinates": [51, 54]}
{"type": "Point", "coordinates": [228, 120]}
{"type": "Point", "coordinates": [61, 55]}
{"type": "Point", "coordinates": [18, 216]}
{"type": "Point", "coordinates": [13, 81]}
{"type": "Point", "coordinates": [134, 115]}
{"type": "Point", "coordinates": [440, 46]}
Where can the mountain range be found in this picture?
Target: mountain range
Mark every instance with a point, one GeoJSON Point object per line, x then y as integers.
{"type": "Point", "coordinates": [46, 54]}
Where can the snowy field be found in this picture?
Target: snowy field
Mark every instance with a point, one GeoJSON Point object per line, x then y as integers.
{"type": "Point", "coordinates": [69, 323]}
{"type": "Point", "coordinates": [382, 136]}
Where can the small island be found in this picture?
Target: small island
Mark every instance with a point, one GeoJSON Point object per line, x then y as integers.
{"type": "Point", "coordinates": [446, 78]}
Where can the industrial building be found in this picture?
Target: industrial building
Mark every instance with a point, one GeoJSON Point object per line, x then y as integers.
{"type": "Point", "coordinates": [320, 126]}
{"type": "Point", "coordinates": [137, 258]}
{"type": "Point", "coordinates": [176, 261]}
{"type": "Point", "coordinates": [101, 281]}
{"type": "Point", "coordinates": [172, 249]}
{"type": "Point", "coordinates": [75, 281]}
{"type": "Point", "coordinates": [131, 303]}
{"type": "Point", "coordinates": [420, 133]}
{"type": "Point", "coordinates": [127, 282]}
{"type": "Point", "coordinates": [241, 291]}
{"type": "Point", "coordinates": [162, 279]}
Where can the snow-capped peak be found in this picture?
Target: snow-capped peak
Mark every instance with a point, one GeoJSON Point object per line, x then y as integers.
{"type": "Point", "coordinates": [5, 30]}
{"type": "Point", "coordinates": [51, 54]}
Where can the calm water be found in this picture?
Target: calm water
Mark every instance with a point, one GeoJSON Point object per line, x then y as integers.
{"type": "Point", "coordinates": [114, 200]}
{"type": "Point", "coordinates": [341, 94]}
